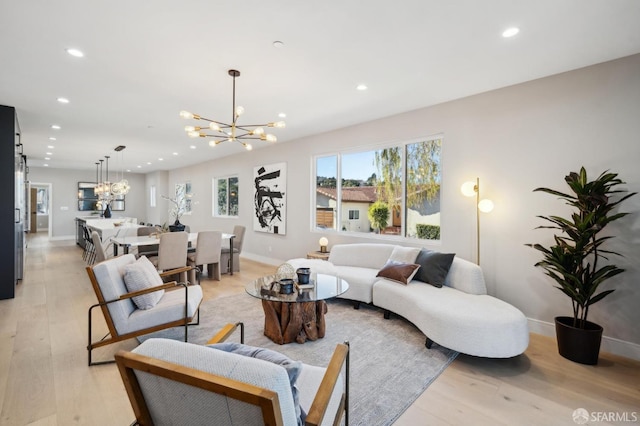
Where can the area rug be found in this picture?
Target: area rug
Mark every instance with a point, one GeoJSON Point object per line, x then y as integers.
{"type": "Point", "coordinates": [390, 366]}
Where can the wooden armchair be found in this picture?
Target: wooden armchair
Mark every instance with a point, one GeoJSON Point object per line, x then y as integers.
{"type": "Point", "coordinates": [171, 382]}
{"type": "Point", "coordinates": [178, 305]}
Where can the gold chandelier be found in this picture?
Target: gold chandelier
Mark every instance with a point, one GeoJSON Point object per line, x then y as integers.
{"type": "Point", "coordinates": [233, 131]}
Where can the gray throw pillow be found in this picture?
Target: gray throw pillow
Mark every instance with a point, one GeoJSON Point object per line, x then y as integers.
{"type": "Point", "coordinates": [434, 267]}
{"type": "Point", "coordinates": [292, 367]}
{"type": "Point", "coordinates": [142, 275]}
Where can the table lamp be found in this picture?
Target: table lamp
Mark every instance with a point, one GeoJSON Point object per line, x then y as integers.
{"type": "Point", "coordinates": [323, 244]}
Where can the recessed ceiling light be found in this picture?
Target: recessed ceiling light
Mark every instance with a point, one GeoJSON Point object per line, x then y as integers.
{"type": "Point", "coordinates": [160, 159]}
{"type": "Point", "coordinates": [148, 163]}
{"type": "Point", "coordinates": [278, 44]}
{"type": "Point", "coordinates": [361, 87]}
{"type": "Point", "coordinates": [55, 126]}
{"type": "Point", "coordinates": [282, 115]}
{"type": "Point", "coordinates": [510, 32]}
{"type": "Point", "coordinates": [47, 158]}
{"type": "Point", "coordinates": [52, 139]}
{"type": "Point", "coordinates": [49, 153]}
{"type": "Point", "coordinates": [63, 100]}
{"type": "Point", "coordinates": [75, 52]}
{"type": "Point", "coordinates": [192, 146]}
{"type": "Point", "coordinates": [139, 167]}
{"type": "Point", "coordinates": [45, 165]}
{"type": "Point", "coordinates": [50, 146]}
{"type": "Point", "coordinates": [175, 153]}
{"type": "Point", "coordinates": [128, 170]}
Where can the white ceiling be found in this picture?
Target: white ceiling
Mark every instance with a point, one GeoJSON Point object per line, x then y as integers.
{"type": "Point", "coordinates": [145, 60]}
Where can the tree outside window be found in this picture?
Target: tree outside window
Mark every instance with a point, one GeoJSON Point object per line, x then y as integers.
{"type": "Point", "coordinates": [225, 196]}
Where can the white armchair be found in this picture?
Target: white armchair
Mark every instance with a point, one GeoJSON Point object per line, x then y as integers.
{"type": "Point", "coordinates": [170, 382]}
{"type": "Point", "coordinates": [171, 304]}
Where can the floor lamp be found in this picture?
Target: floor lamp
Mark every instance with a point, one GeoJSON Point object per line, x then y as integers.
{"type": "Point", "coordinates": [469, 189]}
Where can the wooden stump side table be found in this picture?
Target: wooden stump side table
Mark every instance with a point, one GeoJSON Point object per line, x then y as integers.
{"type": "Point", "coordinates": [299, 316]}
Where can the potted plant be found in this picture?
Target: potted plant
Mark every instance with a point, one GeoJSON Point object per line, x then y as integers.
{"type": "Point", "coordinates": [575, 259]}
{"type": "Point", "coordinates": [177, 209]}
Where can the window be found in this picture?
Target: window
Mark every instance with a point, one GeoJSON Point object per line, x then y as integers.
{"type": "Point", "coordinates": [225, 196]}
{"type": "Point", "coordinates": [394, 190]}
{"type": "Point", "coordinates": [326, 196]}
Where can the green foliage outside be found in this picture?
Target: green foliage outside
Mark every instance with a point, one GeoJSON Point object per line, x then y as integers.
{"type": "Point", "coordinates": [378, 215]}
{"type": "Point", "coordinates": [428, 232]}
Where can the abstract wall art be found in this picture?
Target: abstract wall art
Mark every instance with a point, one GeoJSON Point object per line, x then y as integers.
{"type": "Point", "coordinates": [270, 198]}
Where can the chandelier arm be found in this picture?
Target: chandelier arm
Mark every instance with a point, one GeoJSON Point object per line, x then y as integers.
{"type": "Point", "coordinates": [244, 126]}
{"type": "Point", "coordinates": [214, 121]}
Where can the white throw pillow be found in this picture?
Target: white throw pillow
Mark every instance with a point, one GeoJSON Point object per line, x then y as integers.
{"type": "Point", "coordinates": [140, 276]}
{"type": "Point", "coordinates": [404, 254]}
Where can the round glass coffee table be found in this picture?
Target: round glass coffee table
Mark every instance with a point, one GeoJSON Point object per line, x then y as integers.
{"type": "Point", "coordinates": [297, 316]}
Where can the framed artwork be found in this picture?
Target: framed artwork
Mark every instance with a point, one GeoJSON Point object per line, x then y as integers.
{"type": "Point", "coordinates": [270, 198]}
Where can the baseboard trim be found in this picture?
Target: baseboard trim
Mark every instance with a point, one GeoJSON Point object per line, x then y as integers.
{"type": "Point", "coordinates": [609, 344]}
{"type": "Point", "coordinates": [262, 259]}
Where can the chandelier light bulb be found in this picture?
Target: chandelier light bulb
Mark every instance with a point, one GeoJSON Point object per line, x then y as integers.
{"type": "Point", "coordinates": [212, 143]}
{"type": "Point", "coordinates": [248, 147]}
{"type": "Point", "coordinates": [189, 129]}
{"type": "Point", "coordinates": [258, 131]}
{"type": "Point", "coordinates": [271, 138]}
{"type": "Point", "coordinates": [194, 134]}
{"type": "Point", "coordinates": [214, 127]}
{"type": "Point", "coordinates": [239, 110]}
{"type": "Point", "coordinates": [186, 115]}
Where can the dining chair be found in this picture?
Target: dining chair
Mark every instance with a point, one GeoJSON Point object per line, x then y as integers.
{"type": "Point", "coordinates": [171, 382]}
{"type": "Point", "coordinates": [147, 250]}
{"type": "Point", "coordinates": [99, 250]}
{"type": "Point", "coordinates": [172, 252]}
{"type": "Point", "coordinates": [89, 251]}
{"type": "Point", "coordinates": [225, 256]}
{"type": "Point", "coordinates": [208, 246]}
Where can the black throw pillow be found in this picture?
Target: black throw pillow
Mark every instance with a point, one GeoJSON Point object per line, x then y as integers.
{"type": "Point", "coordinates": [434, 267]}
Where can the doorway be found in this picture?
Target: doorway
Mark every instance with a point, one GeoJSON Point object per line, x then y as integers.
{"type": "Point", "coordinates": [40, 211]}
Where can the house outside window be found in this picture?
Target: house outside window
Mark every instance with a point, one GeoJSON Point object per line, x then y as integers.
{"type": "Point", "coordinates": [354, 214]}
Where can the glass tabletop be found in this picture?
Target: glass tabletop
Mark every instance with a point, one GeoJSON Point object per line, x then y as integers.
{"type": "Point", "coordinates": [320, 287]}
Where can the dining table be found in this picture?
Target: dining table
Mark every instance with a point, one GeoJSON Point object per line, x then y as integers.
{"type": "Point", "coordinates": [133, 241]}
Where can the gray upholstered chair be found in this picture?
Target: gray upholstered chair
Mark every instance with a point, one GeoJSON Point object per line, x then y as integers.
{"type": "Point", "coordinates": [176, 305]}
{"type": "Point", "coordinates": [238, 231]}
{"type": "Point", "coordinates": [170, 382]}
{"type": "Point", "coordinates": [149, 250]}
{"type": "Point", "coordinates": [207, 252]}
{"type": "Point", "coordinates": [99, 250]}
{"type": "Point", "coordinates": [172, 252]}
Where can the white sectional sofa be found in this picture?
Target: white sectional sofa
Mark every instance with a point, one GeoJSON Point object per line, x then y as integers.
{"type": "Point", "coordinates": [459, 315]}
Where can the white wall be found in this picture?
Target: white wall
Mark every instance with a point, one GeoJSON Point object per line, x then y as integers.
{"type": "Point", "coordinates": [64, 197]}
{"type": "Point", "coordinates": [515, 139]}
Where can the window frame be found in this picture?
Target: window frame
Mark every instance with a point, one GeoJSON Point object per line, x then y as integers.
{"type": "Point", "coordinates": [214, 193]}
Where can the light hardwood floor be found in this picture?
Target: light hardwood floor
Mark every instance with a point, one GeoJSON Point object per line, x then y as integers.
{"type": "Point", "coordinates": [44, 378]}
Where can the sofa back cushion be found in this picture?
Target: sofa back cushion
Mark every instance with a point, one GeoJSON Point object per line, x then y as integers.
{"type": "Point", "coordinates": [466, 276]}
{"type": "Point", "coordinates": [364, 255]}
